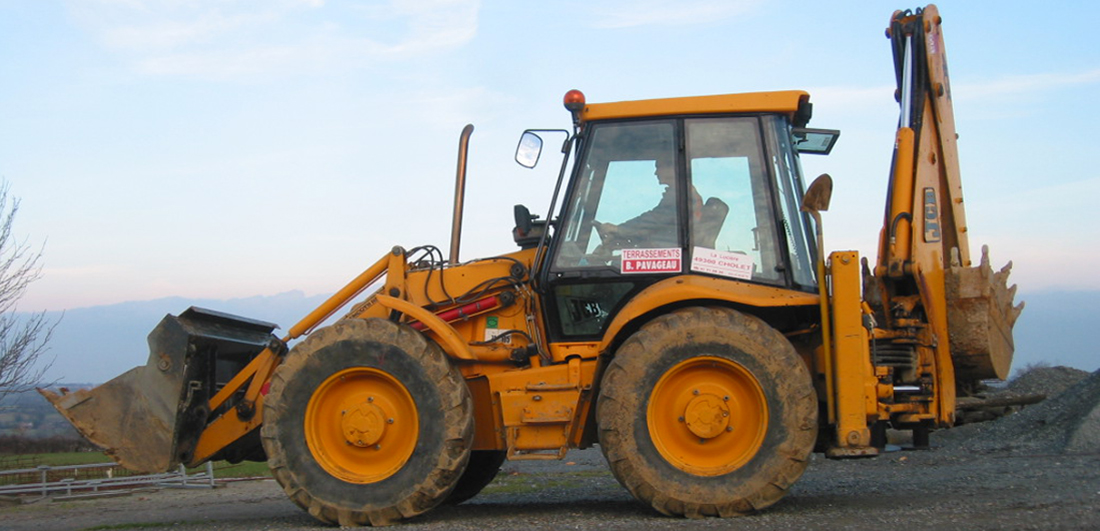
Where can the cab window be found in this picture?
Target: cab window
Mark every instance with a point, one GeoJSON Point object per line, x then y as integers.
{"type": "Point", "coordinates": [733, 222]}
{"type": "Point", "coordinates": [626, 197]}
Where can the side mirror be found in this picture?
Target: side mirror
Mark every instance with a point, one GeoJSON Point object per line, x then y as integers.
{"type": "Point", "coordinates": [814, 141]}
{"type": "Point", "coordinates": [818, 194]}
{"type": "Point", "coordinates": [529, 149]}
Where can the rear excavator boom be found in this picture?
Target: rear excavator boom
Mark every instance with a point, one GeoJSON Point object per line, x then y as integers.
{"type": "Point", "coordinates": [925, 229]}
{"type": "Point", "coordinates": [707, 344]}
{"type": "Point", "coordinates": [936, 324]}
{"type": "Point", "coordinates": [924, 246]}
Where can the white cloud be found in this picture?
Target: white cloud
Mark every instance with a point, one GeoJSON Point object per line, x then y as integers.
{"type": "Point", "coordinates": [436, 24]}
{"type": "Point", "coordinates": [1013, 85]}
{"type": "Point", "coordinates": [629, 14]}
{"type": "Point", "coordinates": [1023, 84]}
{"type": "Point", "coordinates": [219, 64]}
{"type": "Point", "coordinates": [450, 107]}
{"type": "Point", "coordinates": [848, 95]}
{"type": "Point", "coordinates": [205, 38]}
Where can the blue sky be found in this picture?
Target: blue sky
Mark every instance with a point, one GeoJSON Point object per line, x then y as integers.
{"type": "Point", "coordinates": [218, 149]}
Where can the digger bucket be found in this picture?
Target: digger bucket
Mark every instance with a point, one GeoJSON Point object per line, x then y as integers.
{"type": "Point", "coordinates": [980, 316]}
{"type": "Point", "coordinates": [149, 418]}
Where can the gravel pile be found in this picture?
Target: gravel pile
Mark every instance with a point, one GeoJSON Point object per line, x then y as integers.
{"type": "Point", "coordinates": [1050, 381]}
{"type": "Point", "coordinates": [1066, 423]}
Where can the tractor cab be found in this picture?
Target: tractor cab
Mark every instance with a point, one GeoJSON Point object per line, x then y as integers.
{"type": "Point", "coordinates": [660, 189]}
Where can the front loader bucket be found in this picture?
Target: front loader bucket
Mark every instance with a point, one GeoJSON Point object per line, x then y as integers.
{"type": "Point", "coordinates": [150, 418]}
{"type": "Point", "coordinates": [980, 316]}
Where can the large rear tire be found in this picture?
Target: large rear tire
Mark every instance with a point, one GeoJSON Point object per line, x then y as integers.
{"type": "Point", "coordinates": [367, 422]}
{"type": "Point", "coordinates": [707, 412]}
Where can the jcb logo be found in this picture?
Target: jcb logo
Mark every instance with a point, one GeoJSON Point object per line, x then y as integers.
{"type": "Point", "coordinates": [931, 216]}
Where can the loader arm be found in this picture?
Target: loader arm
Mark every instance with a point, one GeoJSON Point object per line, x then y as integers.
{"type": "Point", "coordinates": [201, 394]}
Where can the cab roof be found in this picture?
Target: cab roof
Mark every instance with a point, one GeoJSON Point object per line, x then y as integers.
{"type": "Point", "coordinates": [786, 102]}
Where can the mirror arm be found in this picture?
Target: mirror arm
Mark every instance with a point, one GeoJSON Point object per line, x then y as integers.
{"type": "Point", "coordinates": [540, 255]}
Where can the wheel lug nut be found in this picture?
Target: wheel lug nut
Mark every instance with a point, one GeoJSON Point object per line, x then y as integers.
{"type": "Point", "coordinates": [389, 421]}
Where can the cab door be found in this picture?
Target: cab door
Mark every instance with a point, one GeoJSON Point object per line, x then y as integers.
{"type": "Point", "coordinates": [620, 228]}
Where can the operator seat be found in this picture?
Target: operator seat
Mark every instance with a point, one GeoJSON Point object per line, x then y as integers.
{"type": "Point", "coordinates": [710, 222]}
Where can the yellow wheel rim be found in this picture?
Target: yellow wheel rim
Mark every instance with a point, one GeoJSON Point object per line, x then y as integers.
{"type": "Point", "coordinates": [361, 425]}
{"type": "Point", "coordinates": [707, 416]}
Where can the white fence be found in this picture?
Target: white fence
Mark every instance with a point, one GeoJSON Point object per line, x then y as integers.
{"type": "Point", "coordinates": [71, 487]}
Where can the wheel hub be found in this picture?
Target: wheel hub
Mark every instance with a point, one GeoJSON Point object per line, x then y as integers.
{"type": "Point", "coordinates": [361, 425]}
{"type": "Point", "coordinates": [364, 425]}
{"type": "Point", "coordinates": [707, 416]}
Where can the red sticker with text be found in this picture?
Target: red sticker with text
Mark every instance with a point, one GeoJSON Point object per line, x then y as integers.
{"type": "Point", "coordinates": [651, 261]}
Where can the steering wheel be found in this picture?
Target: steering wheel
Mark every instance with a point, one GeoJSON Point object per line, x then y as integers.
{"type": "Point", "coordinates": [610, 239]}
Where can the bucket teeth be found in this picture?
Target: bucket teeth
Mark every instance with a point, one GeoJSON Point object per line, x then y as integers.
{"type": "Point", "coordinates": [1005, 294]}
{"type": "Point", "coordinates": [981, 314]}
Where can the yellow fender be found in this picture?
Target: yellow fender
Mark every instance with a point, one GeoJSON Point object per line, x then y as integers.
{"type": "Point", "coordinates": [693, 287]}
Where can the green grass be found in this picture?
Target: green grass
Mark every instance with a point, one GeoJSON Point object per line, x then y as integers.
{"type": "Point", "coordinates": [533, 483]}
{"type": "Point", "coordinates": [69, 458]}
{"type": "Point", "coordinates": [244, 469]}
{"type": "Point", "coordinates": [146, 525]}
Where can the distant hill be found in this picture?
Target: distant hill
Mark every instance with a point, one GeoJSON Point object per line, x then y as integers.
{"type": "Point", "coordinates": [98, 343]}
{"type": "Point", "coordinates": [1058, 328]}
{"type": "Point", "coordinates": [28, 414]}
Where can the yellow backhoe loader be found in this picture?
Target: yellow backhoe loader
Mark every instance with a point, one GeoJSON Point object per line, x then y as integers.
{"type": "Point", "coordinates": [676, 308]}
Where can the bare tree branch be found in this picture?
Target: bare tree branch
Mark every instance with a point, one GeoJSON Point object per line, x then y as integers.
{"type": "Point", "coordinates": [23, 338]}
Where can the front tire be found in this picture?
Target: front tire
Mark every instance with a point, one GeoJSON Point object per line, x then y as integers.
{"type": "Point", "coordinates": [367, 422]}
{"type": "Point", "coordinates": [707, 412]}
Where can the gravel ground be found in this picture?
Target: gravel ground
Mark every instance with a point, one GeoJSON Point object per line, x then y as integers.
{"type": "Point", "coordinates": [1037, 469]}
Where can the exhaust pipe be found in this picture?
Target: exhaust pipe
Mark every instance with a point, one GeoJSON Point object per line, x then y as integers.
{"type": "Point", "coordinates": [460, 191]}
